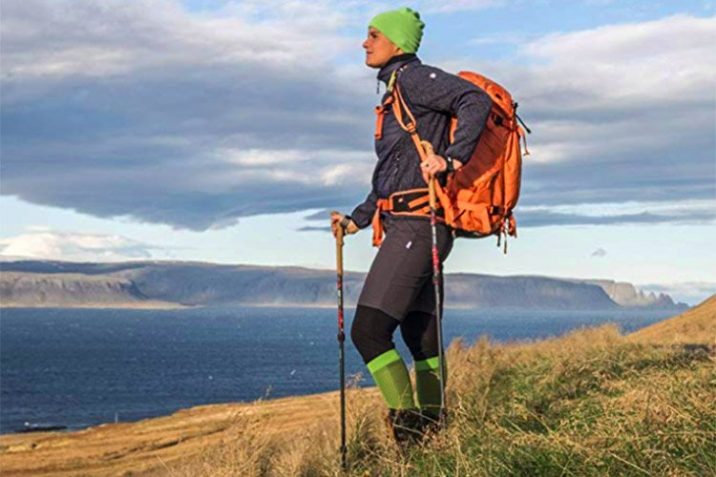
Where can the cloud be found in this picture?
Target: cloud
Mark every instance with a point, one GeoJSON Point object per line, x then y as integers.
{"type": "Point", "coordinates": [214, 118]}
{"type": "Point", "coordinates": [599, 253]}
{"type": "Point", "coordinates": [117, 37]}
{"type": "Point", "coordinates": [538, 218]}
{"type": "Point", "coordinates": [314, 228]}
{"type": "Point", "coordinates": [620, 112]}
{"type": "Point", "coordinates": [41, 243]}
{"type": "Point", "coordinates": [145, 110]}
{"type": "Point", "coordinates": [458, 5]}
{"type": "Point", "coordinates": [320, 215]}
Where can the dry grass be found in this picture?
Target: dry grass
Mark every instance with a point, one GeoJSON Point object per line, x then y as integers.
{"type": "Point", "coordinates": [592, 402]}
{"type": "Point", "coordinates": [588, 403]}
{"type": "Point", "coordinates": [696, 325]}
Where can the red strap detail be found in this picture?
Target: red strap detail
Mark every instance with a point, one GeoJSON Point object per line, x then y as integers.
{"type": "Point", "coordinates": [379, 112]}
{"type": "Point", "coordinates": [377, 223]}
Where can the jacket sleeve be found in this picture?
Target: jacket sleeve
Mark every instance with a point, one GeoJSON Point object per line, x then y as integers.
{"type": "Point", "coordinates": [363, 214]}
{"type": "Point", "coordinates": [435, 89]}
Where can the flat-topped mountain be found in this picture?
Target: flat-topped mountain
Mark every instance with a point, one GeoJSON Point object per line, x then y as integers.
{"type": "Point", "coordinates": [73, 290]}
{"type": "Point", "coordinates": [65, 284]}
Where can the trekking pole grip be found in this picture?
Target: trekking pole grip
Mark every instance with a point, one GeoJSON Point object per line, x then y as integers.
{"type": "Point", "coordinates": [339, 249]}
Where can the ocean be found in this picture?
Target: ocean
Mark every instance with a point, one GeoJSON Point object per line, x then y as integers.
{"type": "Point", "coordinates": [82, 367]}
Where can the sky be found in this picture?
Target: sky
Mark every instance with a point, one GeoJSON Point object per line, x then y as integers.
{"type": "Point", "coordinates": [226, 131]}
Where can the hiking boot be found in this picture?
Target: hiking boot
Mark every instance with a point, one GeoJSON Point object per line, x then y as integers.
{"type": "Point", "coordinates": [431, 423]}
{"type": "Point", "coordinates": [406, 426]}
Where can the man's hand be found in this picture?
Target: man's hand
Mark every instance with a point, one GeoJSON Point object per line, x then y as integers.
{"type": "Point", "coordinates": [340, 220]}
{"type": "Point", "coordinates": [434, 164]}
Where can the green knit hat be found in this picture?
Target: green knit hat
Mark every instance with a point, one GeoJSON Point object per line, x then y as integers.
{"type": "Point", "coordinates": [402, 26]}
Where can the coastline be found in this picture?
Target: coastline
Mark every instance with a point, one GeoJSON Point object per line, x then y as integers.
{"type": "Point", "coordinates": [154, 446]}
{"type": "Point", "coordinates": [158, 305]}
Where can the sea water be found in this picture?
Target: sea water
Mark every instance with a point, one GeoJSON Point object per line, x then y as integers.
{"type": "Point", "coordinates": [81, 367]}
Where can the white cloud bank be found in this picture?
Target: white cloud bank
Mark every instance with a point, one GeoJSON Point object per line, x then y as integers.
{"type": "Point", "coordinates": [196, 119]}
{"type": "Point", "coordinates": [41, 243]}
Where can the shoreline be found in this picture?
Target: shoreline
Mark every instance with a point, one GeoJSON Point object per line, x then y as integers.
{"type": "Point", "coordinates": [149, 446]}
{"type": "Point", "coordinates": [178, 306]}
{"type": "Point", "coordinates": [69, 428]}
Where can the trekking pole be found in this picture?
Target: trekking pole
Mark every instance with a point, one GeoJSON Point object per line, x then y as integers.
{"type": "Point", "coordinates": [341, 340]}
{"type": "Point", "coordinates": [436, 283]}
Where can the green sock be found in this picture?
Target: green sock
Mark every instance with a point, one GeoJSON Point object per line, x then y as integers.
{"type": "Point", "coordinates": [427, 384]}
{"type": "Point", "coordinates": [391, 376]}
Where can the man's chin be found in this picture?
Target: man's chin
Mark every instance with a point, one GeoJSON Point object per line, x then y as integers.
{"type": "Point", "coordinates": [372, 64]}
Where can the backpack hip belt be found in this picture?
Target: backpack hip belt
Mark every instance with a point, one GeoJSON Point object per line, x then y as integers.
{"type": "Point", "coordinates": [411, 203]}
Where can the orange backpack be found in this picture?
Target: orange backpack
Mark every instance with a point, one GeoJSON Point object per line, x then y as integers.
{"type": "Point", "coordinates": [478, 199]}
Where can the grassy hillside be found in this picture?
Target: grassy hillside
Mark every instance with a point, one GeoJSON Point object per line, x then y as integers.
{"type": "Point", "coordinates": [593, 402]}
{"type": "Point", "coordinates": [590, 403]}
{"type": "Point", "coordinates": [696, 325]}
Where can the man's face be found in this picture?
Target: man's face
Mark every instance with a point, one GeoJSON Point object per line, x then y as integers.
{"type": "Point", "coordinates": [379, 49]}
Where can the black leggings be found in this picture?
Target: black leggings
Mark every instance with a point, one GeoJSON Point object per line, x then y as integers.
{"type": "Point", "coordinates": [372, 333]}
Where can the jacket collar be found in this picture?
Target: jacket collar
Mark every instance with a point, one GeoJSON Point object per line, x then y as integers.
{"type": "Point", "coordinates": [395, 64]}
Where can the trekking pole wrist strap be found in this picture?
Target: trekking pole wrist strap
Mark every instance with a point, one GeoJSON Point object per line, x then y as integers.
{"type": "Point", "coordinates": [346, 221]}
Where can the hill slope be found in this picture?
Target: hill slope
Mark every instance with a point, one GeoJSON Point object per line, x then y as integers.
{"type": "Point", "coordinates": [696, 325]}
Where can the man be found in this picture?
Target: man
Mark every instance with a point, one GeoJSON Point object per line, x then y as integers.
{"type": "Point", "coordinates": [398, 290]}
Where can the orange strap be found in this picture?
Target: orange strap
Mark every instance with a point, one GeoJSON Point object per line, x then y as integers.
{"type": "Point", "coordinates": [379, 111]}
{"type": "Point", "coordinates": [416, 202]}
{"type": "Point", "coordinates": [399, 104]}
{"type": "Point", "coordinates": [377, 223]}
{"type": "Point", "coordinates": [380, 115]}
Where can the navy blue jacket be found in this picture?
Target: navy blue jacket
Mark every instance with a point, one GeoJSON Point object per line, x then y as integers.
{"type": "Point", "coordinates": [433, 97]}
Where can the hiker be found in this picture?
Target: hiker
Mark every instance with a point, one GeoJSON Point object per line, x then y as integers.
{"type": "Point", "coordinates": [398, 290]}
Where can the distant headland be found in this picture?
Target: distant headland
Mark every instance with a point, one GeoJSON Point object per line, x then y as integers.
{"type": "Point", "coordinates": [156, 284]}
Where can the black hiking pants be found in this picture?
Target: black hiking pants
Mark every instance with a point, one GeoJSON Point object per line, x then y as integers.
{"type": "Point", "coordinates": [399, 291]}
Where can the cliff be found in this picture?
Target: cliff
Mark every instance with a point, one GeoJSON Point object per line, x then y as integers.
{"type": "Point", "coordinates": [45, 283]}
{"type": "Point", "coordinates": [627, 295]}
{"type": "Point", "coordinates": [72, 290]}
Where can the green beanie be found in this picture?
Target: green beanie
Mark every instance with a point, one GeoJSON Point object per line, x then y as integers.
{"type": "Point", "coordinates": [402, 26]}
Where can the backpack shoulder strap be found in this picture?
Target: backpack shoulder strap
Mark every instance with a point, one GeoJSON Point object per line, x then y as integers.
{"type": "Point", "coordinates": [400, 105]}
